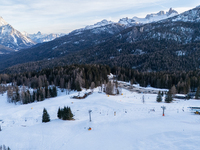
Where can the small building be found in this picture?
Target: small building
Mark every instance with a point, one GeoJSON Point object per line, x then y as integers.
{"type": "Point", "coordinates": [180, 96]}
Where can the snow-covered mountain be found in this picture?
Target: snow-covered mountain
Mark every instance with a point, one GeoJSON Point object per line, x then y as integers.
{"type": "Point", "coordinates": [154, 17]}
{"type": "Point", "coordinates": [40, 37]}
{"type": "Point", "coordinates": [12, 38]}
{"type": "Point", "coordinates": [129, 22]}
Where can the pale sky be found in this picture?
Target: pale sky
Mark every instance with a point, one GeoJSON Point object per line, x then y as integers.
{"type": "Point", "coordinates": [63, 16]}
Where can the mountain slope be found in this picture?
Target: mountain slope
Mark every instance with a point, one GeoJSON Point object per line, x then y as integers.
{"type": "Point", "coordinates": [74, 41]}
{"type": "Point", "coordinates": [5, 50]}
{"type": "Point", "coordinates": [12, 38]}
{"type": "Point", "coordinates": [162, 45]}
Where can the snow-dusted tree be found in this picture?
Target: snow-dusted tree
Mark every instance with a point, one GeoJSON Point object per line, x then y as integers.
{"type": "Point", "coordinates": [45, 116]}
{"type": "Point", "coordinates": [168, 97]}
{"type": "Point", "coordinates": [159, 97]}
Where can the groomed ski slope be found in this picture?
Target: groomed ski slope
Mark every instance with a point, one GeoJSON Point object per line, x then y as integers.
{"type": "Point", "coordinates": [134, 127]}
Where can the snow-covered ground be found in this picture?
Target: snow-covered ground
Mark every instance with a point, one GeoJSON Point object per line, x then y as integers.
{"type": "Point", "coordinates": [135, 126]}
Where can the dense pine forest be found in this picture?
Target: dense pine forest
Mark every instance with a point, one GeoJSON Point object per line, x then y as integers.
{"type": "Point", "coordinates": [28, 87]}
{"type": "Point", "coordinates": [44, 82]}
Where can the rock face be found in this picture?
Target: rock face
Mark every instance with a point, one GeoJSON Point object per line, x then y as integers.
{"type": "Point", "coordinates": [12, 38]}
{"type": "Point", "coordinates": [154, 17]}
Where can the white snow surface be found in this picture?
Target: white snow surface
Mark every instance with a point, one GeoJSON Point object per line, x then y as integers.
{"type": "Point", "coordinates": [135, 127]}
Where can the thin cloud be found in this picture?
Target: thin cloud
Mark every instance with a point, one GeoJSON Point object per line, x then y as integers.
{"type": "Point", "coordinates": [66, 15]}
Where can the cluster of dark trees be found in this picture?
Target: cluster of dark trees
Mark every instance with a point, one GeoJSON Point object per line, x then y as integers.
{"type": "Point", "coordinates": [182, 81]}
{"type": "Point", "coordinates": [75, 77]}
{"type": "Point", "coordinates": [3, 147]}
{"type": "Point", "coordinates": [22, 94]}
{"type": "Point", "coordinates": [44, 82]}
{"type": "Point", "coordinates": [72, 77]}
{"type": "Point", "coordinates": [168, 97]}
{"type": "Point", "coordinates": [65, 113]}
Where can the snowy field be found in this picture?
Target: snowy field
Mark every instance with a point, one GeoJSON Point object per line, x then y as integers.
{"type": "Point", "coordinates": [135, 126]}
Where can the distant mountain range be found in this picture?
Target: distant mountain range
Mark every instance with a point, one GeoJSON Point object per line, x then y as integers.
{"type": "Point", "coordinates": [161, 41]}
{"type": "Point", "coordinates": [13, 39]}
{"type": "Point", "coordinates": [40, 38]}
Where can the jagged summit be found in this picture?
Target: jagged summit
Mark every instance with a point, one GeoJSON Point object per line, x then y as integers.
{"type": "Point", "coordinates": [40, 37]}
{"type": "Point", "coordinates": [172, 11]}
{"type": "Point", "coordinates": [162, 13]}
{"type": "Point", "coordinates": [99, 24]}
{"type": "Point", "coordinates": [12, 38]}
{"type": "Point", "coordinates": [39, 33]}
{"type": "Point", "coordinates": [2, 22]}
{"type": "Point", "coordinates": [148, 19]}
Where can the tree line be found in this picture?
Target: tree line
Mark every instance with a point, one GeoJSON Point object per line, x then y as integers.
{"type": "Point", "coordinates": [75, 77]}
{"type": "Point", "coordinates": [182, 81]}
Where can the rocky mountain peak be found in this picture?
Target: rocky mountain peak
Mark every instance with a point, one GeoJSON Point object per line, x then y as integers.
{"type": "Point", "coordinates": [172, 11]}
{"type": "Point", "coordinates": [2, 22]}
{"type": "Point", "coordinates": [39, 33]}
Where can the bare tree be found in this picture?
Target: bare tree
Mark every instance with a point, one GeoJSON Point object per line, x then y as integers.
{"type": "Point", "coordinates": [69, 87]}
{"type": "Point", "coordinates": [109, 88]}
{"type": "Point", "coordinates": [173, 90]}
{"type": "Point", "coordinates": [92, 86]}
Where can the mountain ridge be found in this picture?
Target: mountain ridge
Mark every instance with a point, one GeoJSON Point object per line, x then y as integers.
{"type": "Point", "coordinates": [12, 38]}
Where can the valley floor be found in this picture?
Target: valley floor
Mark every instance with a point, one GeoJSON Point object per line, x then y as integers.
{"type": "Point", "coordinates": [135, 127]}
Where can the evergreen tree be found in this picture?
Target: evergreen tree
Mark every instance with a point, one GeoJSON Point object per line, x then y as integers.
{"type": "Point", "coordinates": [70, 114]}
{"type": "Point", "coordinates": [197, 93]}
{"type": "Point", "coordinates": [45, 116]}
{"type": "Point", "coordinates": [65, 113]}
{"type": "Point", "coordinates": [162, 93]}
{"type": "Point", "coordinates": [54, 91]}
{"type": "Point", "coordinates": [159, 97]}
{"type": "Point", "coordinates": [59, 115]}
{"type": "Point", "coordinates": [168, 97]}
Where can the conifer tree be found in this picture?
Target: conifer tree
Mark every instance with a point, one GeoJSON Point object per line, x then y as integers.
{"type": "Point", "coordinates": [168, 97]}
{"type": "Point", "coordinates": [45, 116]}
{"type": "Point", "coordinates": [162, 93]}
{"type": "Point", "coordinates": [65, 114]}
{"type": "Point", "coordinates": [159, 97]}
{"type": "Point", "coordinates": [59, 115]}
{"type": "Point", "coordinates": [197, 93]}
{"type": "Point", "coordinates": [70, 114]}
{"type": "Point", "coordinates": [54, 91]}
